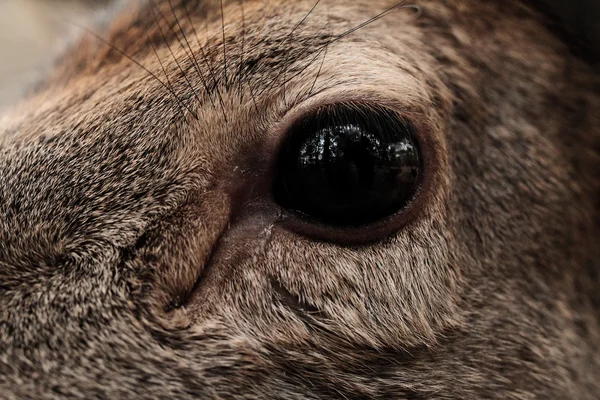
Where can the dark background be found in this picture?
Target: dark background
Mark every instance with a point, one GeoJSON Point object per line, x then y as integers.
{"type": "Point", "coordinates": [579, 22]}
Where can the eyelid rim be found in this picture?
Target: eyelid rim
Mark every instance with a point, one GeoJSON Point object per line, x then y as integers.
{"type": "Point", "coordinates": [427, 137]}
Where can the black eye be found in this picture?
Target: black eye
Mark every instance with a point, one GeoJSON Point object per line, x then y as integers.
{"type": "Point", "coordinates": [345, 165]}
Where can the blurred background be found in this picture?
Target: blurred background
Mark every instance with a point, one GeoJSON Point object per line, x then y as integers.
{"type": "Point", "coordinates": [32, 33]}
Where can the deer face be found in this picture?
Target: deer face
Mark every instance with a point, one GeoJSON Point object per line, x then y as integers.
{"type": "Point", "coordinates": [250, 200]}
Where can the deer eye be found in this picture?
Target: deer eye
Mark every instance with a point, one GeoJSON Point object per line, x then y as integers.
{"type": "Point", "coordinates": [347, 165]}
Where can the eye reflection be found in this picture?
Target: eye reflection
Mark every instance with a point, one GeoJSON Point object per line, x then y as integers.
{"type": "Point", "coordinates": [346, 166]}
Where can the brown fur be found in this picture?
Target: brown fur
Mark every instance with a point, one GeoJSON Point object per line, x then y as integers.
{"type": "Point", "coordinates": [143, 257]}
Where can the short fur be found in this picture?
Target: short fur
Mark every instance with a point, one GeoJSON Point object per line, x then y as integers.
{"type": "Point", "coordinates": [141, 255]}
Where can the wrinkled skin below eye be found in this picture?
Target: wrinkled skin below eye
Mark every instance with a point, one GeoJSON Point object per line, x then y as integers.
{"type": "Point", "coordinates": [348, 173]}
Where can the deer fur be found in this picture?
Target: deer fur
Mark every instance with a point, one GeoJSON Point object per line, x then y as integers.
{"type": "Point", "coordinates": [142, 255]}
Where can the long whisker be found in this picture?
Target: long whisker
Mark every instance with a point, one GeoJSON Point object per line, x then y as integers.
{"type": "Point", "coordinates": [305, 51]}
{"type": "Point", "coordinates": [240, 74]}
{"type": "Point", "coordinates": [171, 51]}
{"type": "Point", "coordinates": [316, 54]}
{"type": "Point", "coordinates": [159, 61]}
{"type": "Point", "coordinates": [191, 52]}
{"type": "Point", "coordinates": [205, 58]}
{"type": "Point", "coordinates": [318, 72]}
{"type": "Point", "coordinates": [300, 22]}
{"type": "Point", "coordinates": [224, 45]}
{"type": "Point", "coordinates": [288, 36]}
{"type": "Point", "coordinates": [342, 35]}
{"type": "Point", "coordinates": [133, 60]}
